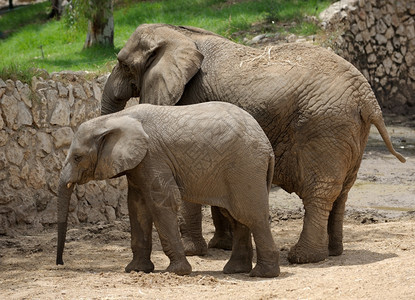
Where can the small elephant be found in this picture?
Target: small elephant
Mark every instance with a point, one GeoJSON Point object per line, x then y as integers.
{"type": "Point", "coordinates": [315, 107]}
{"type": "Point", "coordinates": [210, 153]}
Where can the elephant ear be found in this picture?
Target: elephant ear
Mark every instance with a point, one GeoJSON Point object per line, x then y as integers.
{"type": "Point", "coordinates": [122, 145]}
{"type": "Point", "coordinates": [176, 61]}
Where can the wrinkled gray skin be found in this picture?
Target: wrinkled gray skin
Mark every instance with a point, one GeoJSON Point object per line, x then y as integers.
{"type": "Point", "coordinates": [169, 154]}
{"type": "Point", "coordinates": [315, 107]}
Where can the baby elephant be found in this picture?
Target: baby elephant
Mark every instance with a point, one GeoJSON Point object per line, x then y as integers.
{"type": "Point", "coordinates": [212, 153]}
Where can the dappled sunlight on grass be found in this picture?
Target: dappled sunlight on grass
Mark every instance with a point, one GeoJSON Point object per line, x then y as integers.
{"type": "Point", "coordinates": [29, 39]}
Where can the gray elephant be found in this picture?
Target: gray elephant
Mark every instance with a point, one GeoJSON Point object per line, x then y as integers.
{"type": "Point", "coordinates": [209, 153]}
{"type": "Point", "coordinates": [314, 106]}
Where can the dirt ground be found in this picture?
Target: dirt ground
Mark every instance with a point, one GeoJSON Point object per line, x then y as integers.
{"type": "Point", "coordinates": [378, 261]}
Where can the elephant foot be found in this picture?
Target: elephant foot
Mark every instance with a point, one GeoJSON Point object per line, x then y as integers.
{"type": "Point", "coordinates": [221, 241]}
{"type": "Point", "coordinates": [302, 255]}
{"type": "Point", "coordinates": [237, 266]}
{"type": "Point", "coordinates": [194, 247]}
{"type": "Point", "coordinates": [265, 270]}
{"type": "Point", "coordinates": [335, 250]}
{"type": "Point", "coordinates": [180, 267]}
{"type": "Point", "coordinates": [140, 266]}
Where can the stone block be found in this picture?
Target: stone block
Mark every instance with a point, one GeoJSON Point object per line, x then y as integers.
{"type": "Point", "coordinates": [8, 105]}
{"type": "Point", "coordinates": [389, 33]}
{"type": "Point", "coordinates": [410, 58]}
{"type": "Point", "coordinates": [397, 57]}
{"type": "Point", "coordinates": [411, 8]}
{"type": "Point", "coordinates": [25, 93]}
{"type": "Point", "coordinates": [381, 27]}
{"type": "Point", "coordinates": [395, 21]}
{"type": "Point", "coordinates": [97, 91]}
{"type": "Point", "coordinates": [366, 36]}
{"type": "Point", "coordinates": [4, 137]}
{"type": "Point", "coordinates": [51, 96]}
{"type": "Point", "coordinates": [24, 116]}
{"type": "Point", "coordinates": [1, 121]}
{"type": "Point", "coordinates": [61, 113]}
{"type": "Point", "coordinates": [14, 177]}
{"type": "Point", "coordinates": [44, 143]}
{"type": "Point", "coordinates": [410, 31]}
{"type": "Point", "coordinates": [79, 114]}
{"type": "Point", "coordinates": [401, 30]}
{"type": "Point", "coordinates": [380, 71]}
{"type": "Point", "coordinates": [368, 49]}
{"type": "Point", "coordinates": [14, 153]}
{"type": "Point", "coordinates": [3, 160]}
{"type": "Point", "coordinates": [25, 138]}
{"type": "Point", "coordinates": [110, 213]}
{"type": "Point", "coordinates": [38, 84]}
{"type": "Point", "coordinates": [389, 47]}
{"type": "Point", "coordinates": [411, 72]}
{"type": "Point", "coordinates": [79, 92]}
{"type": "Point", "coordinates": [87, 90]}
{"type": "Point", "coordinates": [371, 58]}
{"type": "Point", "coordinates": [62, 90]}
{"type": "Point", "coordinates": [387, 63]}
{"type": "Point", "coordinates": [62, 137]}
{"type": "Point", "coordinates": [394, 71]}
{"type": "Point", "coordinates": [2, 83]}
{"type": "Point", "coordinates": [396, 42]}
{"type": "Point", "coordinates": [381, 39]}
{"type": "Point", "coordinates": [36, 177]}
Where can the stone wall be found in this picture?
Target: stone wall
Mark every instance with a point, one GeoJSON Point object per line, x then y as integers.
{"type": "Point", "coordinates": [37, 123]}
{"type": "Point", "coordinates": [379, 39]}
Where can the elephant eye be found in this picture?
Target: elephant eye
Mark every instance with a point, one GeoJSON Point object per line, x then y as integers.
{"type": "Point", "coordinates": [77, 158]}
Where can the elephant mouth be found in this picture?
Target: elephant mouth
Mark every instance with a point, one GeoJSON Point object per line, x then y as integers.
{"type": "Point", "coordinates": [83, 177]}
{"type": "Point", "coordinates": [135, 90]}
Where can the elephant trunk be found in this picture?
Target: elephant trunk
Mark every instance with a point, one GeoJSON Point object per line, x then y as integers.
{"type": "Point", "coordinates": [117, 92]}
{"type": "Point", "coordinates": [110, 105]}
{"type": "Point", "coordinates": [64, 196]}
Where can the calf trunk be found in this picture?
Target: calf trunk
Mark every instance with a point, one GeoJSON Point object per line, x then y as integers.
{"type": "Point", "coordinates": [64, 196]}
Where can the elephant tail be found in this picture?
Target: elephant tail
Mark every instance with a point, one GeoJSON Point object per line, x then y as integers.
{"type": "Point", "coordinates": [270, 174]}
{"type": "Point", "coordinates": [380, 125]}
{"type": "Point", "coordinates": [370, 110]}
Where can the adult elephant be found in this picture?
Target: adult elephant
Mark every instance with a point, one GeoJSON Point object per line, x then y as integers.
{"type": "Point", "coordinates": [315, 107]}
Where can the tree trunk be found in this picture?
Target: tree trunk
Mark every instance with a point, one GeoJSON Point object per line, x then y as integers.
{"type": "Point", "coordinates": [101, 25]}
{"type": "Point", "coordinates": [56, 9]}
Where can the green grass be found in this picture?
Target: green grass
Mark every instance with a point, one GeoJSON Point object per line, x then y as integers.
{"type": "Point", "coordinates": [28, 32]}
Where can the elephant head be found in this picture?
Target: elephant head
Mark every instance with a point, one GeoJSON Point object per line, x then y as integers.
{"type": "Point", "coordinates": [102, 148]}
{"type": "Point", "coordinates": [155, 65]}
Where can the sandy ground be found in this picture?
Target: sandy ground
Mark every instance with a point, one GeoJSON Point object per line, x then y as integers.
{"type": "Point", "coordinates": [378, 261]}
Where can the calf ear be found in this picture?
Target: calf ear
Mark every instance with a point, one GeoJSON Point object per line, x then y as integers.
{"type": "Point", "coordinates": [121, 147]}
{"type": "Point", "coordinates": [175, 61]}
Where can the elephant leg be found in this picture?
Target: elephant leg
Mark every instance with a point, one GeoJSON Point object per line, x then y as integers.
{"type": "Point", "coordinates": [335, 223]}
{"type": "Point", "coordinates": [190, 222]}
{"type": "Point", "coordinates": [242, 251]}
{"type": "Point", "coordinates": [222, 238]}
{"type": "Point", "coordinates": [162, 199]}
{"type": "Point", "coordinates": [167, 228]}
{"type": "Point", "coordinates": [267, 253]}
{"type": "Point", "coordinates": [313, 243]}
{"type": "Point", "coordinates": [141, 229]}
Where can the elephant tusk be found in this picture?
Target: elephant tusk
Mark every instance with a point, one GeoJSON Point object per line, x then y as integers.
{"type": "Point", "coordinates": [69, 185]}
